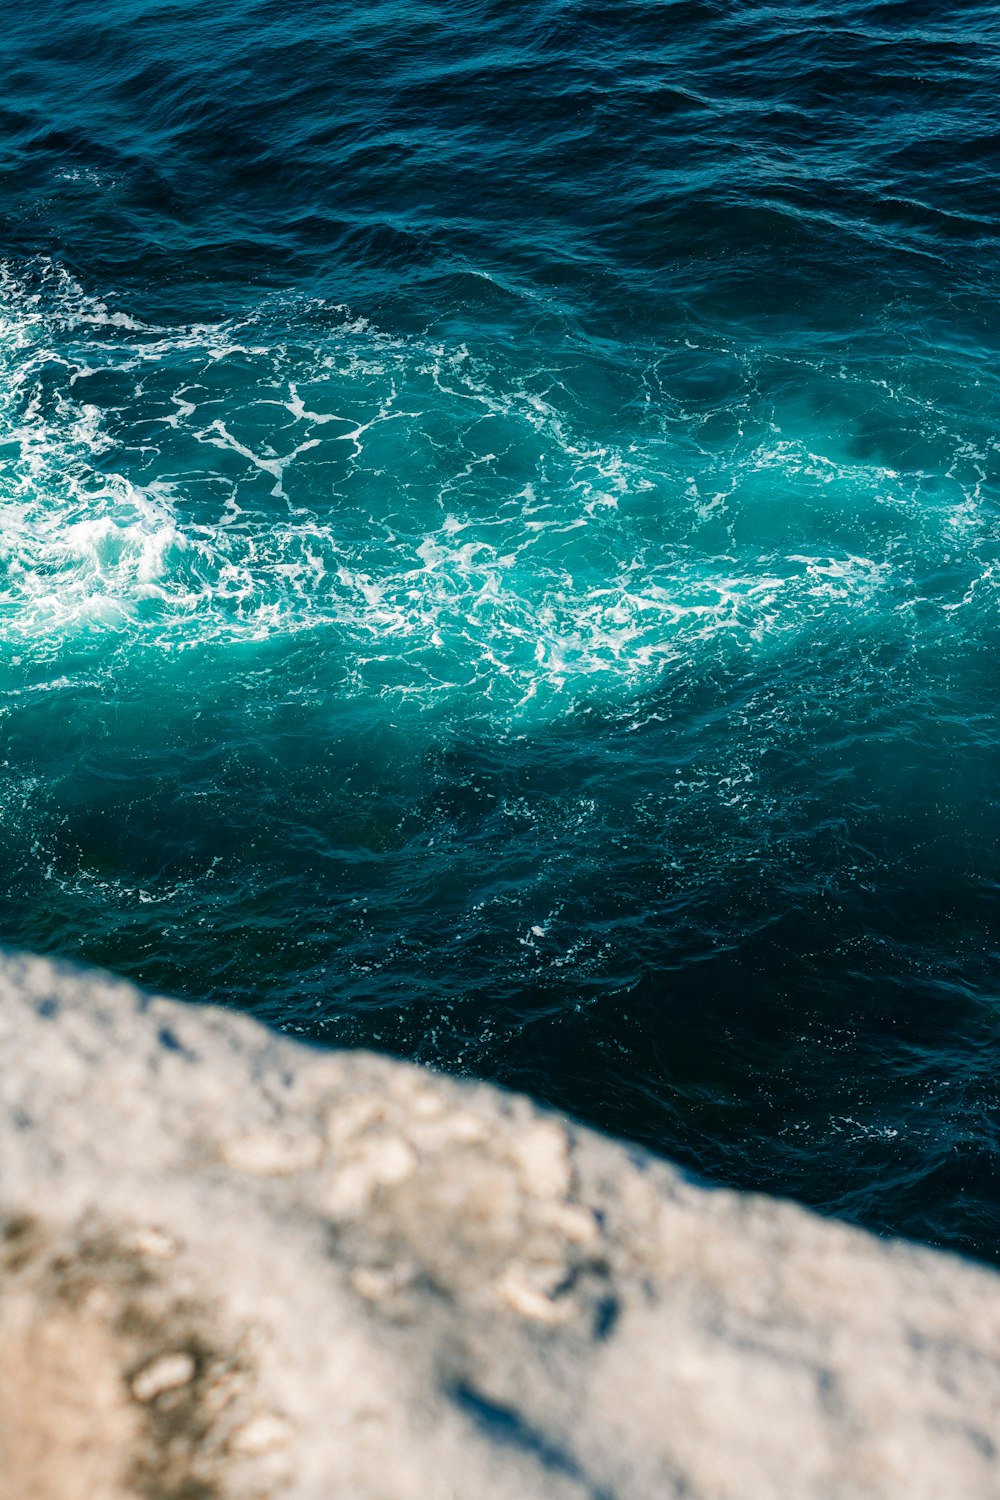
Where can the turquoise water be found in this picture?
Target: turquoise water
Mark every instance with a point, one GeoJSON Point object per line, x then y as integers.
{"type": "Point", "coordinates": [499, 547]}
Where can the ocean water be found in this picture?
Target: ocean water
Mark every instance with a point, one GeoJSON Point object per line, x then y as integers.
{"type": "Point", "coordinates": [500, 553]}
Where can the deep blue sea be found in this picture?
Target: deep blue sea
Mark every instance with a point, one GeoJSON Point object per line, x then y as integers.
{"type": "Point", "coordinates": [500, 553]}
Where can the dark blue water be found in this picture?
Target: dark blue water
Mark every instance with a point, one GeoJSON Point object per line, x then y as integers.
{"type": "Point", "coordinates": [501, 555]}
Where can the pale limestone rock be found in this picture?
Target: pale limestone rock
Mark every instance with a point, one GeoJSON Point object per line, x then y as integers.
{"type": "Point", "coordinates": [149, 1240]}
{"type": "Point", "coordinates": [542, 1156]}
{"type": "Point", "coordinates": [384, 1160]}
{"type": "Point", "coordinates": [265, 1432]}
{"type": "Point", "coordinates": [240, 1269]}
{"type": "Point", "coordinates": [166, 1373]}
{"type": "Point", "coordinates": [273, 1153]}
{"type": "Point", "coordinates": [532, 1290]}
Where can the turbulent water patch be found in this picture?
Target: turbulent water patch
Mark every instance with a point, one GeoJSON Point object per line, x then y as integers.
{"type": "Point", "coordinates": [459, 523]}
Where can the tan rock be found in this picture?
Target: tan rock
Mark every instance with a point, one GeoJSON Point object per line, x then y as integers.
{"type": "Point", "coordinates": [166, 1373]}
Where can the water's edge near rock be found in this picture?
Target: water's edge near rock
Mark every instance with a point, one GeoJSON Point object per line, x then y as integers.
{"type": "Point", "coordinates": [234, 1266]}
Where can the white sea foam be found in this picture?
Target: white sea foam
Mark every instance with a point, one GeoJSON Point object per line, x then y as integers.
{"type": "Point", "coordinates": [444, 517]}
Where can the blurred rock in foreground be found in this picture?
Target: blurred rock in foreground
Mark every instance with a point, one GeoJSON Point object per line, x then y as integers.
{"type": "Point", "coordinates": [234, 1267]}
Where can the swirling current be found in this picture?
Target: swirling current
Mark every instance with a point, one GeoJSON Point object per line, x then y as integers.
{"type": "Point", "coordinates": [500, 553]}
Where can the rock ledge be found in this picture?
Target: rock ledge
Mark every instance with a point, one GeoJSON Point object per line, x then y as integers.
{"type": "Point", "coordinates": [236, 1268]}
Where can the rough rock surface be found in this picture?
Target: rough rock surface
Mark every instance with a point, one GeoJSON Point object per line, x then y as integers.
{"type": "Point", "coordinates": [237, 1268]}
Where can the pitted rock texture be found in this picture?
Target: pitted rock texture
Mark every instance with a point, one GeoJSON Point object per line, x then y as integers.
{"type": "Point", "coordinates": [234, 1268]}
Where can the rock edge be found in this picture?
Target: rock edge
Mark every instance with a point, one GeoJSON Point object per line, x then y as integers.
{"type": "Point", "coordinates": [234, 1266]}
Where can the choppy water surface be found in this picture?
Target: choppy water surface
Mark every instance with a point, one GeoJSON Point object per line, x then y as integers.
{"type": "Point", "coordinates": [500, 553]}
